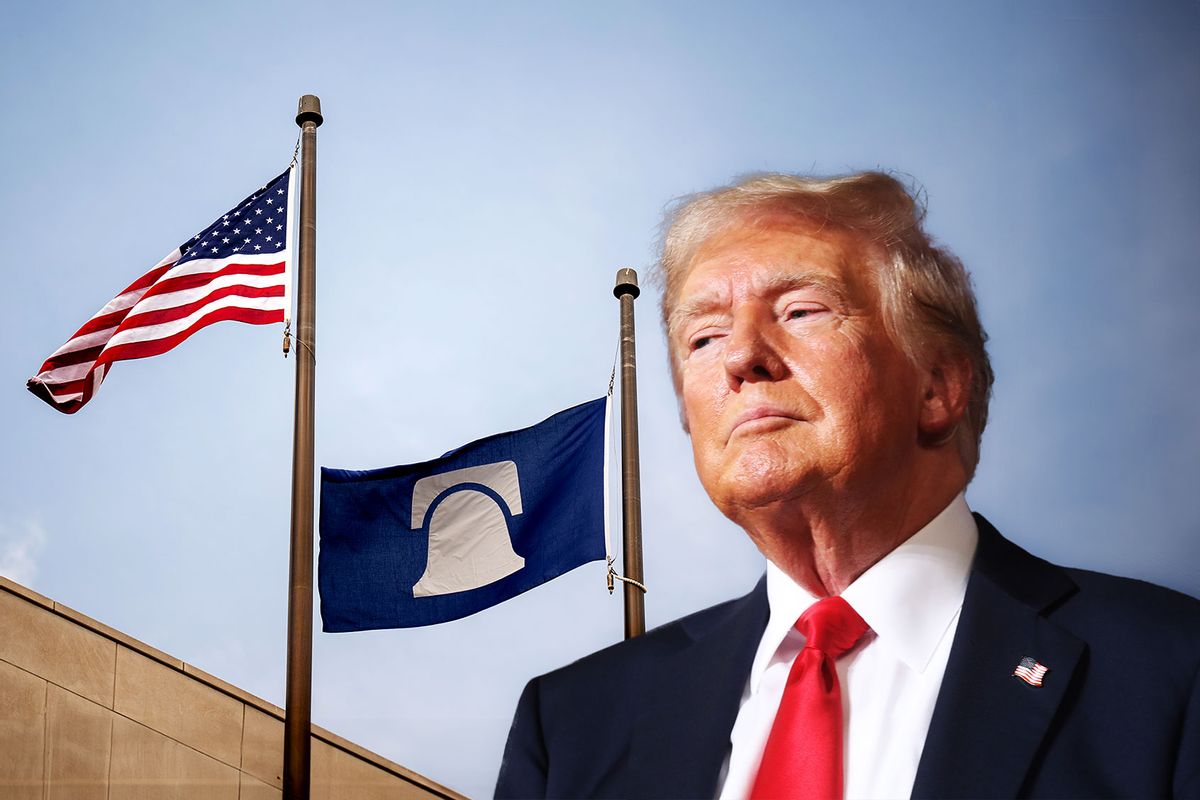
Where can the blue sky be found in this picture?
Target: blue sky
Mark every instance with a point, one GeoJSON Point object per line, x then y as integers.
{"type": "Point", "coordinates": [483, 171]}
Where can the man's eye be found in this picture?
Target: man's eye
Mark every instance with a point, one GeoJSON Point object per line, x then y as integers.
{"type": "Point", "coordinates": [701, 341]}
{"type": "Point", "coordinates": [802, 312]}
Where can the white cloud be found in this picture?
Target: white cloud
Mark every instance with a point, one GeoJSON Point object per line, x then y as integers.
{"type": "Point", "coordinates": [20, 545]}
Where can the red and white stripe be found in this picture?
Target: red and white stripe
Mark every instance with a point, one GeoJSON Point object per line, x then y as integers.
{"type": "Point", "coordinates": [158, 311]}
{"type": "Point", "coordinates": [1030, 671]}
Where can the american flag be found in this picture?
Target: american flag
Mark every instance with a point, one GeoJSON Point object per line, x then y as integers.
{"type": "Point", "coordinates": [236, 268]}
{"type": "Point", "coordinates": [1030, 671]}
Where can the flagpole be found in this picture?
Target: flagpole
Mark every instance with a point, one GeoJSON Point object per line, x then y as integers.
{"type": "Point", "coordinates": [626, 291]}
{"type": "Point", "coordinates": [297, 727]}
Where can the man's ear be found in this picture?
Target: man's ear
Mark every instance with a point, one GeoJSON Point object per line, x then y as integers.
{"type": "Point", "coordinates": [945, 392]}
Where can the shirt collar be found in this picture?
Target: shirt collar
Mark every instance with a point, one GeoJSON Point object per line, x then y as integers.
{"type": "Point", "coordinates": [909, 598]}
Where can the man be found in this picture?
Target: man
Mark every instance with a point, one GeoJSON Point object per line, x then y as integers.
{"type": "Point", "coordinates": [831, 372]}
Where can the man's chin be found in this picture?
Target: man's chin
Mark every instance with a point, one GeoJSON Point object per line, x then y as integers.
{"type": "Point", "coordinates": [745, 491]}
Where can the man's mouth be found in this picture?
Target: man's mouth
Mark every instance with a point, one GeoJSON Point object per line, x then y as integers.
{"type": "Point", "coordinates": [761, 418]}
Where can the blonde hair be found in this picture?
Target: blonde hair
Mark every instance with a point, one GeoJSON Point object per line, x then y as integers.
{"type": "Point", "coordinates": [928, 305]}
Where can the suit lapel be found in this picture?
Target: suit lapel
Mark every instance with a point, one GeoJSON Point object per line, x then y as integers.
{"type": "Point", "coordinates": [682, 732]}
{"type": "Point", "coordinates": [987, 725]}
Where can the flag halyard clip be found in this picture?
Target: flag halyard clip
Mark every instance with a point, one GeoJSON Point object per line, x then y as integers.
{"type": "Point", "coordinates": [287, 342]}
{"type": "Point", "coordinates": [613, 576]}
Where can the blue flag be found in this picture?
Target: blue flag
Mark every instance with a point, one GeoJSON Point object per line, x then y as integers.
{"type": "Point", "coordinates": [427, 543]}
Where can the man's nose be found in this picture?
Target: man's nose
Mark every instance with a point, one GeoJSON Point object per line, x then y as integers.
{"type": "Point", "coordinates": [750, 355]}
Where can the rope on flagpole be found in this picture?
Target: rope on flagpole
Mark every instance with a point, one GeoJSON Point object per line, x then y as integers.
{"type": "Point", "coordinates": [608, 400]}
{"type": "Point", "coordinates": [291, 249]}
{"type": "Point", "coordinates": [612, 575]}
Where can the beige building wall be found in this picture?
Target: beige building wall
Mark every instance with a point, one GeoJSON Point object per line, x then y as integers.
{"type": "Point", "coordinates": [88, 712]}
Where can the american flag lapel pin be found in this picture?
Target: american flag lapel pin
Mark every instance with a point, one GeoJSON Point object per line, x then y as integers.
{"type": "Point", "coordinates": [1031, 671]}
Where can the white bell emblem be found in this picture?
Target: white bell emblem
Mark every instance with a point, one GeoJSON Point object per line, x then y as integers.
{"type": "Point", "coordinates": [469, 542]}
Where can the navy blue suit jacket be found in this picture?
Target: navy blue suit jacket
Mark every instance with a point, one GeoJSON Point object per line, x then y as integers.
{"type": "Point", "coordinates": [1118, 714]}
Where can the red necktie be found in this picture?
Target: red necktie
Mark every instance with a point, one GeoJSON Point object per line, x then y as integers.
{"type": "Point", "coordinates": [803, 757]}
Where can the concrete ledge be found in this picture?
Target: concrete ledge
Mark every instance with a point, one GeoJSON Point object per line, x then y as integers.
{"type": "Point", "coordinates": [102, 683]}
{"type": "Point", "coordinates": [26, 592]}
{"type": "Point", "coordinates": [56, 648]}
{"type": "Point", "coordinates": [116, 636]}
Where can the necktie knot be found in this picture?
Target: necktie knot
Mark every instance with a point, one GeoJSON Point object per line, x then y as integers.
{"type": "Point", "coordinates": [831, 626]}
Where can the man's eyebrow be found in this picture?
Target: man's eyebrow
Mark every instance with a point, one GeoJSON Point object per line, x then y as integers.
{"type": "Point", "coordinates": [776, 285]}
{"type": "Point", "coordinates": [697, 306]}
{"type": "Point", "coordinates": [787, 282]}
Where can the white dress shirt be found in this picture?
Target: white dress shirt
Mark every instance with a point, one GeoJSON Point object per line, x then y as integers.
{"type": "Point", "coordinates": [911, 600]}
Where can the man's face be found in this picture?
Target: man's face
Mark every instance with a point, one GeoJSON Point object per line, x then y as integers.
{"type": "Point", "coordinates": [790, 383]}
